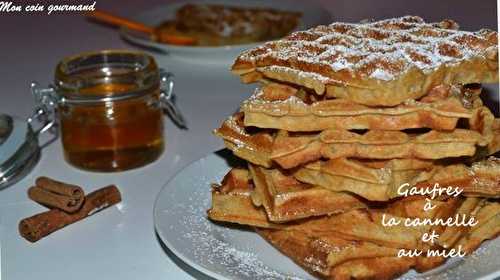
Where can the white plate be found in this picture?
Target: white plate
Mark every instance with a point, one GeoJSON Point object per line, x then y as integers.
{"type": "Point", "coordinates": [312, 15]}
{"type": "Point", "coordinates": [225, 252]}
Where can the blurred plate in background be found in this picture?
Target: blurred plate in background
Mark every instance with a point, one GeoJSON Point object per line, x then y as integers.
{"type": "Point", "coordinates": [312, 15]}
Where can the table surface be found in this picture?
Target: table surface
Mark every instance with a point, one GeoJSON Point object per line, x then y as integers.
{"type": "Point", "coordinates": [120, 243]}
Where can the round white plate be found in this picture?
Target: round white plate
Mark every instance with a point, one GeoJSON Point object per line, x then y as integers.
{"type": "Point", "coordinates": [312, 14]}
{"type": "Point", "coordinates": [228, 252]}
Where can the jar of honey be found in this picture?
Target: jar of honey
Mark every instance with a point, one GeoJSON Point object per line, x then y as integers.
{"type": "Point", "coordinates": [108, 108]}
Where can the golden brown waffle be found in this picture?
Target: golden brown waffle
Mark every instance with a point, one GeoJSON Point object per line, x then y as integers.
{"type": "Point", "coordinates": [261, 147]}
{"type": "Point", "coordinates": [367, 227]}
{"type": "Point", "coordinates": [481, 179]}
{"type": "Point", "coordinates": [322, 247]}
{"type": "Point", "coordinates": [292, 151]}
{"type": "Point", "coordinates": [335, 247]}
{"type": "Point", "coordinates": [333, 255]}
{"type": "Point", "coordinates": [374, 183]}
{"type": "Point", "coordinates": [313, 252]}
{"type": "Point", "coordinates": [488, 227]}
{"type": "Point", "coordinates": [264, 146]}
{"type": "Point", "coordinates": [451, 235]}
{"type": "Point", "coordinates": [235, 200]}
{"type": "Point", "coordinates": [378, 63]}
{"type": "Point", "coordinates": [286, 199]}
{"type": "Point", "coordinates": [379, 181]}
{"type": "Point", "coordinates": [253, 147]}
{"type": "Point", "coordinates": [494, 146]}
{"type": "Point", "coordinates": [289, 112]}
{"type": "Point", "coordinates": [231, 201]}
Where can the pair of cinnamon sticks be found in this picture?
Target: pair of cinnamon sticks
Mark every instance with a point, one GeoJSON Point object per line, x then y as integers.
{"type": "Point", "coordinates": [55, 194]}
{"type": "Point", "coordinates": [68, 204]}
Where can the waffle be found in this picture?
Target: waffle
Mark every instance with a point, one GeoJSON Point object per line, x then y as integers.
{"type": "Point", "coordinates": [292, 151]}
{"type": "Point", "coordinates": [279, 110]}
{"type": "Point", "coordinates": [231, 201]}
{"type": "Point", "coordinates": [253, 147]}
{"type": "Point", "coordinates": [237, 201]}
{"type": "Point", "coordinates": [488, 228]}
{"type": "Point", "coordinates": [328, 250]}
{"type": "Point", "coordinates": [451, 235]}
{"type": "Point", "coordinates": [313, 253]}
{"type": "Point", "coordinates": [265, 146]}
{"type": "Point", "coordinates": [336, 248]}
{"type": "Point", "coordinates": [378, 63]}
{"type": "Point", "coordinates": [333, 247]}
{"type": "Point", "coordinates": [481, 179]}
{"type": "Point", "coordinates": [367, 227]}
{"type": "Point", "coordinates": [494, 146]}
{"type": "Point", "coordinates": [239, 183]}
{"type": "Point", "coordinates": [379, 183]}
{"type": "Point", "coordinates": [286, 199]}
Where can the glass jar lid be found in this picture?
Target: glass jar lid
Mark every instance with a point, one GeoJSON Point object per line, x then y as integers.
{"type": "Point", "coordinates": [84, 78]}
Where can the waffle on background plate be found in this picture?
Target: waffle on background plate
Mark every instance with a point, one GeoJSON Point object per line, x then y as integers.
{"type": "Point", "coordinates": [344, 115]}
{"type": "Point", "coordinates": [218, 25]}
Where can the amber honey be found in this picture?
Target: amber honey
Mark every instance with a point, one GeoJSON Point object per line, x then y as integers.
{"type": "Point", "coordinates": [114, 135]}
{"type": "Point", "coordinates": [111, 118]}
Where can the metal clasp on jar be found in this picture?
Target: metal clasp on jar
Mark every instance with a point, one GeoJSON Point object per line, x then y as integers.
{"type": "Point", "coordinates": [167, 98]}
{"type": "Point", "coordinates": [44, 118]}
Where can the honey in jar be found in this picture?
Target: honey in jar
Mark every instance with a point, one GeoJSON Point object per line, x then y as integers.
{"type": "Point", "coordinates": [109, 110]}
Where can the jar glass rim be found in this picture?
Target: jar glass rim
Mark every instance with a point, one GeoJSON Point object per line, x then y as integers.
{"type": "Point", "coordinates": [86, 70]}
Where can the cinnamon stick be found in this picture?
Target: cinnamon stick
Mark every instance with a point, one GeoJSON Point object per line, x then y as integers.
{"type": "Point", "coordinates": [38, 226]}
{"type": "Point", "coordinates": [55, 194]}
{"type": "Point", "coordinates": [59, 187]}
{"type": "Point", "coordinates": [53, 200]}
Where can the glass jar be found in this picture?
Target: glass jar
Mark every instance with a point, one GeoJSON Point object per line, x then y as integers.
{"type": "Point", "coordinates": [108, 107]}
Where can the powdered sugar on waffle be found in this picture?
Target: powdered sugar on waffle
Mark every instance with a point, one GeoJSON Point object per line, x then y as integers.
{"type": "Point", "coordinates": [381, 74]}
{"type": "Point", "coordinates": [301, 74]}
{"type": "Point", "coordinates": [259, 98]}
{"type": "Point", "coordinates": [381, 50]}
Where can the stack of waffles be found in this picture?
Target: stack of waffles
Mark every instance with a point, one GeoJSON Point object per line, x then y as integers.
{"type": "Point", "coordinates": [354, 124]}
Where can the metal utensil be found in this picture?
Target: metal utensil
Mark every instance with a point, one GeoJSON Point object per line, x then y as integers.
{"type": "Point", "coordinates": [156, 34]}
{"type": "Point", "coordinates": [19, 150]}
